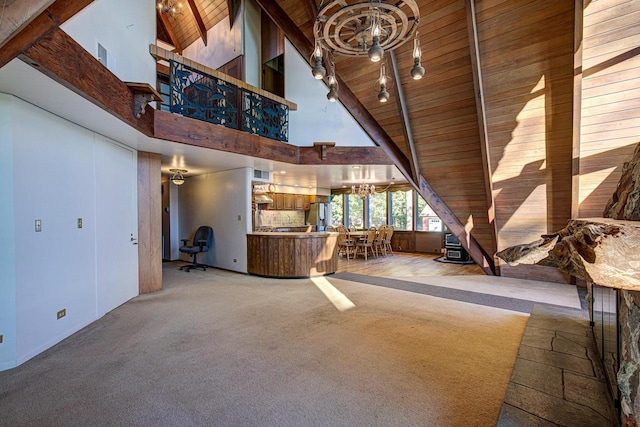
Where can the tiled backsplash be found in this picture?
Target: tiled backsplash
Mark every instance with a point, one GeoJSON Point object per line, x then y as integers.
{"type": "Point", "coordinates": [279, 218]}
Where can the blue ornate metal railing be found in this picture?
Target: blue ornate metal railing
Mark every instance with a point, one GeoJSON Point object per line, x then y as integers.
{"type": "Point", "coordinates": [201, 96]}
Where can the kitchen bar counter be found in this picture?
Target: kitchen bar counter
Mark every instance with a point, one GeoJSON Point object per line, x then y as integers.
{"type": "Point", "coordinates": [292, 254]}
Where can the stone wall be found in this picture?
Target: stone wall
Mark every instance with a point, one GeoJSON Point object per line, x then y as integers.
{"type": "Point", "coordinates": [625, 205]}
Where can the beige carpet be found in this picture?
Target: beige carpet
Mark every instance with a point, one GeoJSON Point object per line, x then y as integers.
{"type": "Point", "coordinates": [218, 348]}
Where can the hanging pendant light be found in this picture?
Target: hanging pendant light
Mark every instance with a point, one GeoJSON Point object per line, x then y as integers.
{"type": "Point", "coordinates": [383, 83]}
{"type": "Point", "coordinates": [418, 70]}
{"type": "Point", "coordinates": [357, 28]}
{"type": "Point", "coordinates": [332, 96]}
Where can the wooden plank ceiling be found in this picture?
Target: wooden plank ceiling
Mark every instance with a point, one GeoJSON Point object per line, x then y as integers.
{"type": "Point", "coordinates": [441, 109]}
{"type": "Point", "coordinates": [490, 121]}
{"type": "Point", "coordinates": [197, 17]}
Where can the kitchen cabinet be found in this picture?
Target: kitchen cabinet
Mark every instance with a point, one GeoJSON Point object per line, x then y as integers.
{"type": "Point", "coordinates": [278, 201]}
{"type": "Point", "coordinates": [289, 202]}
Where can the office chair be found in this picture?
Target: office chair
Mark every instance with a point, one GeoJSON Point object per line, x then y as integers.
{"type": "Point", "coordinates": [201, 243]}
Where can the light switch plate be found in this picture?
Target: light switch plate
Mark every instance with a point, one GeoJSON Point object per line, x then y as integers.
{"type": "Point", "coordinates": [79, 222]}
{"type": "Point", "coordinates": [38, 225]}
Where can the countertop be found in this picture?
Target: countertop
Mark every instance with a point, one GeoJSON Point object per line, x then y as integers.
{"type": "Point", "coordinates": [293, 234]}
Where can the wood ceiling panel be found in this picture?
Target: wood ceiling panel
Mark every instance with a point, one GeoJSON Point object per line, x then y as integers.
{"type": "Point", "coordinates": [441, 106]}
{"type": "Point", "coordinates": [185, 26]}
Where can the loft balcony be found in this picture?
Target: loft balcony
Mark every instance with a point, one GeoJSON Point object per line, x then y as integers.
{"type": "Point", "coordinates": [202, 93]}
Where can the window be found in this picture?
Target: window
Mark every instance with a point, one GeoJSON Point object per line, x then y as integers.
{"type": "Point", "coordinates": [165, 92]}
{"type": "Point", "coordinates": [402, 210]}
{"type": "Point", "coordinates": [355, 213]}
{"type": "Point", "coordinates": [337, 209]}
{"type": "Point", "coordinates": [378, 209]}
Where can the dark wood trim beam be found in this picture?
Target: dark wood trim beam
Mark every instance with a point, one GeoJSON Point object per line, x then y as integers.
{"type": "Point", "coordinates": [49, 20]}
{"type": "Point", "coordinates": [404, 113]}
{"type": "Point", "coordinates": [168, 28]}
{"type": "Point", "coordinates": [62, 59]}
{"type": "Point", "coordinates": [343, 156]}
{"type": "Point", "coordinates": [232, 9]}
{"type": "Point", "coordinates": [17, 14]}
{"type": "Point", "coordinates": [174, 127]}
{"type": "Point", "coordinates": [202, 29]}
{"type": "Point", "coordinates": [464, 236]}
{"type": "Point", "coordinates": [476, 71]}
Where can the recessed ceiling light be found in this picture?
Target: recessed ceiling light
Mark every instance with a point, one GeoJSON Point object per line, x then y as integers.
{"type": "Point", "coordinates": [356, 167]}
{"type": "Point", "coordinates": [283, 172]}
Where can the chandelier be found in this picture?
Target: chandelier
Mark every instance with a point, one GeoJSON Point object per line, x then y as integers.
{"type": "Point", "coordinates": [364, 28]}
{"type": "Point", "coordinates": [363, 190]}
{"type": "Point", "coordinates": [170, 7]}
{"type": "Point", "coordinates": [178, 178]}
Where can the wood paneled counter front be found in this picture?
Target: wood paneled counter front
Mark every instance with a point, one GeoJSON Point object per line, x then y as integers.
{"type": "Point", "coordinates": [289, 255]}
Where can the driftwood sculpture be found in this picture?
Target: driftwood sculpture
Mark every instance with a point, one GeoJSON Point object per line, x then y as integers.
{"type": "Point", "coordinates": [597, 252]}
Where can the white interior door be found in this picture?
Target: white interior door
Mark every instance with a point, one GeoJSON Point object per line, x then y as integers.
{"type": "Point", "coordinates": [116, 224]}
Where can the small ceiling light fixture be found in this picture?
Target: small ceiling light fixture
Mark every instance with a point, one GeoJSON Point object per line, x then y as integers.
{"type": "Point", "coordinates": [178, 178]}
{"type": "Point", "coordinates": [170, 7]}
{"type": "Point", "coordinates": [364, 28]}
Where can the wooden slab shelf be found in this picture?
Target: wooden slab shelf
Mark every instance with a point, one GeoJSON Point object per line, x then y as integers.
{"type": "Point", "coordinates": [291, 254]}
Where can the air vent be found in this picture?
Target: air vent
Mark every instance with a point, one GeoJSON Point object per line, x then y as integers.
{"type": "Point", "coordinates": [262, 176]}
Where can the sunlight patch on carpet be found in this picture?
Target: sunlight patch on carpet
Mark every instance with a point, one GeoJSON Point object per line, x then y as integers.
{"type": "Point", "coordinates": [337, 298]}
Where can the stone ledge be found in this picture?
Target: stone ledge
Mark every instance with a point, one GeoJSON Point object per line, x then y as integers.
{"type": "Point", "coordinates": [556, 380]}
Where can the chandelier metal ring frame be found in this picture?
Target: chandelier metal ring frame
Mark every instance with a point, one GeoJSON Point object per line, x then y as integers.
{"type": "Point", "coordinates": [358, 28]}
{"type": "Point", "coordinates": [352, 23]}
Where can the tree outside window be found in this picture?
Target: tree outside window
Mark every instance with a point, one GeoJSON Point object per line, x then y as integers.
{"type": "Point", "coordinates": [337, 209]}
{"type": "Point", "coordinates": [378, 209]}
{"type": "Point", "coordinates": [402, 209]}
{"type": "Point", "coordinates": [356, 211]}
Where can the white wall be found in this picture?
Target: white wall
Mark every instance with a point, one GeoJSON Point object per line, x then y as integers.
{"type": "Point", "coordinates": [252, 43]}
{"type": "Point", "coordinates": [309, 123]}
{"type": "Point", "coordinates": [223, 45]}
{"type": "Point", "coordinates": [126, 29]}
{"type": "Point", "coordinates": [54, 180]}
{"type": "Point", "coordinates": [55, 268]}
{"type": "Point", "coordinates": [7, 238]}
{"type": "Point", "coordinates": [223, 201]}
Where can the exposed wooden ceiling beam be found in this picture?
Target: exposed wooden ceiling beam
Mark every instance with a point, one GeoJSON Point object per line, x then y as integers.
{"type": "Point", "coordinates": [202, 29]}
{"type": "Point", "coordinates": [17, 14]}
{"type": "Point", "coordinates": [404, 114]}
{"type": "Point", "coordinates": [49, 20]}
{"type": "Point", "coordinates": [476, 70]}
{"type": "Point", "coordinates": [232, 8]}
{"type": "Point", "coordinates": [174, 127]}
{"type": "Point", "coordinates": [62, 59]}
{"type": "Point", "coordinates": [380, 137]}
{"type": "Point", "coordinates": [168, 28]}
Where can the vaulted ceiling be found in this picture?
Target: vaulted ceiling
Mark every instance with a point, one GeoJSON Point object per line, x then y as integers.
{"type": "Point", "coordinates": [431, 128]}
{"type": "Point", "coordinates": [491, 135]}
